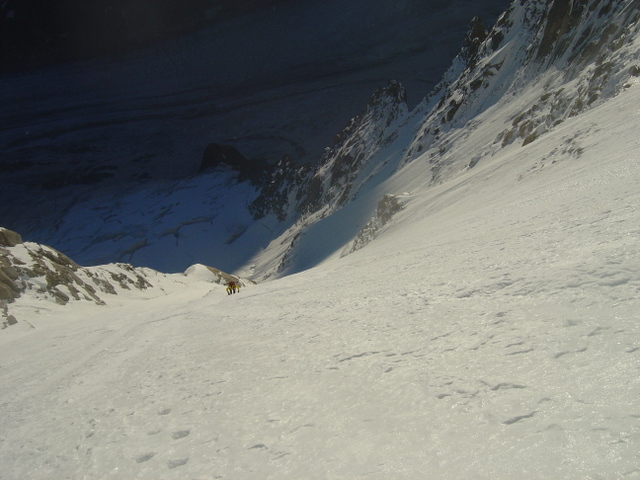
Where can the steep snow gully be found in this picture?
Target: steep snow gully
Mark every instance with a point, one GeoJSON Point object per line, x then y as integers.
{"type": "Point", "coordinates": [480, 319]}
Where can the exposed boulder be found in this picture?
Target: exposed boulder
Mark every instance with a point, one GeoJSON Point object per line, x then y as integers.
{"type": "Point", "coordinates": [9, 289]}
{"type": "Point", "coordinates": [7, 320]}
{"type": "Point", "coordinates": [9, 238]}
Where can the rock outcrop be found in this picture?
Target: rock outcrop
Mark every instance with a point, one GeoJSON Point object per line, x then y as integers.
{"type": "Point", "coordinates": [9, 238]}
{"type": "Point", "coordinates": [30, 270]}
{"type": "Point", "coordinates": [9, 289]}
{"type": "Point", "coordinates": [573, 50]}
{"type": "Point", "coordinates": [27, 267]}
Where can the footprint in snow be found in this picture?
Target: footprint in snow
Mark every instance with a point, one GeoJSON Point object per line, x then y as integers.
{"type": "Point", "coordinates": [144, 457]}
{"type": "Point", "coordinates": [519, 418]}
{"type": "Point", "coordinates": [177, 463]}
{"type": "Point", "coordinates": [259, 446]}
{"type": "Point", "coordinates": [180, 434]}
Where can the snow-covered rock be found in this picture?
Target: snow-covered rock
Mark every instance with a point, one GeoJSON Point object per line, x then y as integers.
{"type": "Point", "coordinates": [541, 64]}
{"type": "Point", "coordinates": [44, 274]}
{"type": "Point", "coordinates": [336, 180]}
{"type": "Point", "coordinates": [571, 56]}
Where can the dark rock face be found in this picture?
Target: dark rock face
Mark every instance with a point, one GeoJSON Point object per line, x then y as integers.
{"type": "Point", "coordinates": [6, 319]}
{"type": "Point", "coordinates": [287, 189]}
{"type": "Point", "coordinates": [278, 189]}
{"type": "Point", "coordinates": [562, 18]}
{"type": "Point", "coordinates": [216, 155]}
{"type": "Point", "coordinates": [472, 43]}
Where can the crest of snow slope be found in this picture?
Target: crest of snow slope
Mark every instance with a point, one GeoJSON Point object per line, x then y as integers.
{"type": "Point", "coordinates": [490, 331]}
{"type": "Point", "coordinates": [37, 278]}
{"type": "Point", "coordinates": [530, 73]}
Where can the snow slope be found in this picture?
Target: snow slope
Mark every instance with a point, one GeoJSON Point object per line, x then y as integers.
{"type": "Point", "coordinates": [490, 330]}
{"type": "Point", "coordinates": [470, 312]}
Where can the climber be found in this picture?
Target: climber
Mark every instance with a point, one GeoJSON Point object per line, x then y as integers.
{"type": "Point", "coordinates": [232, 287]}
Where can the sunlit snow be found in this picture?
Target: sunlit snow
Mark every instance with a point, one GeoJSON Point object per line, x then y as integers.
{"type": "Point", "coordinates": [470, 312]}
{"type": "Point", "coordinates": [489, 331]}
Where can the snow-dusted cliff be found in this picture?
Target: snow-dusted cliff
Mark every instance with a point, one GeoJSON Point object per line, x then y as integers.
{"type": "Point", "coordinates": [541, 64]}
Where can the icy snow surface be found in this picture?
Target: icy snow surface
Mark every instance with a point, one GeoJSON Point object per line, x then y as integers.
{"type": "Point", "coordinates": [489, 331]}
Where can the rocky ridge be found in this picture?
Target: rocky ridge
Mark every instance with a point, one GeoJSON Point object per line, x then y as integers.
{"type": "Point", "coordinates": [571, 51]}
{"type": "Point", "coordinates": [576, 55]}
{"type": "Point", "coordinates": [31, 269]}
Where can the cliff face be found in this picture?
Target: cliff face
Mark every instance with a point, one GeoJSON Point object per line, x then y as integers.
{"type": "Point", "coordinates": [541, 64]}
{"type": "Point", "coordinates": [292, 192]}
{"type": "Point", "coordinates": [575, 53]}
{"type": "Point", "coordinates": [336, 179]}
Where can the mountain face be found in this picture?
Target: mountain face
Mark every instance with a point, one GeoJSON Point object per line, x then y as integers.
{"type": "Point", "coordinates": [572, 55]}
{"type": "Point", "coordinates": [472, 311]}
{"type": "Point", "coordinates": [275, 82]}
{"type": "Point", "coordinates": [539, 65]}
{"type": "Point", "coordinates": [336, 179]}
{"type": "Point", "coordinates": [576, 53]}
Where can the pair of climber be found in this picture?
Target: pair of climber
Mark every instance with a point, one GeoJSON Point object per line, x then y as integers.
{"type": "Point", "coordinates": [232, 287]}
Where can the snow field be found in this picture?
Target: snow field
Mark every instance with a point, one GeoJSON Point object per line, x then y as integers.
{"type": "Point", "coordinates": [490, 331]}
